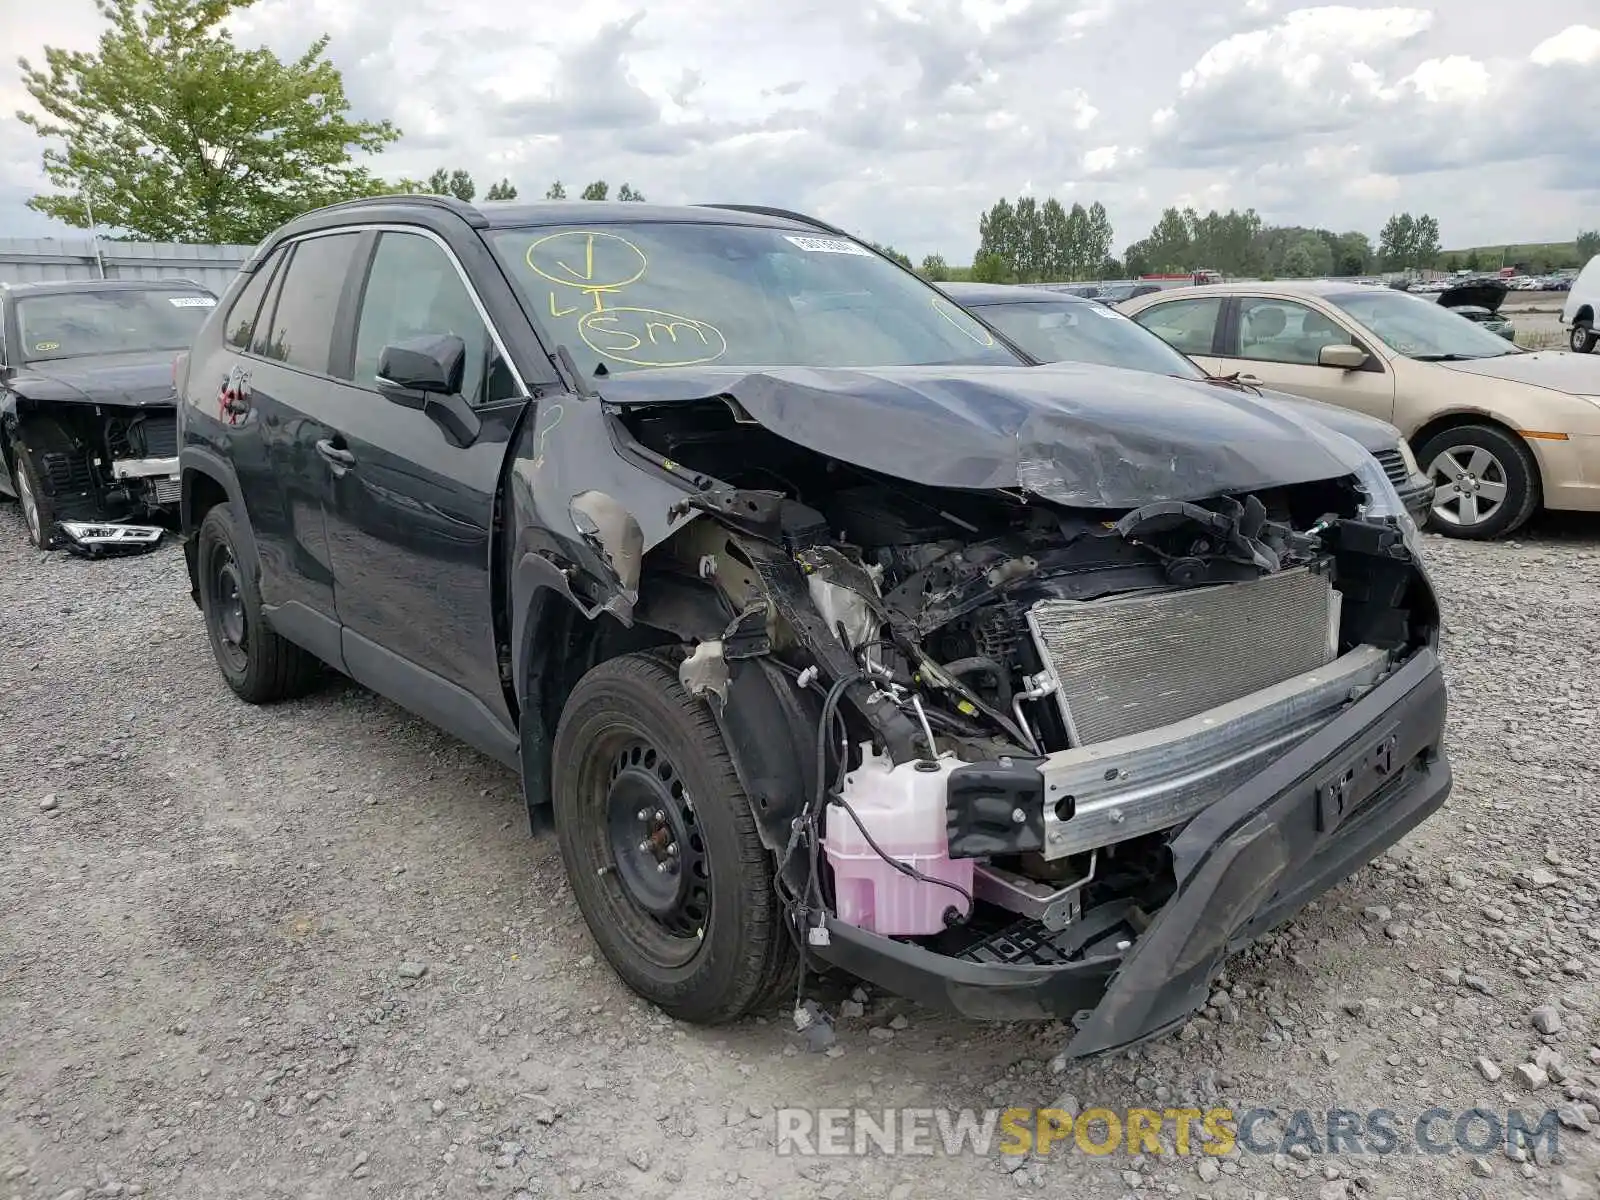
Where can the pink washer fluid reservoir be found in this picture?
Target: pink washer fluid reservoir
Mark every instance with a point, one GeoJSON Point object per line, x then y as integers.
{"type": "Point", "coordinates": [903, 808]}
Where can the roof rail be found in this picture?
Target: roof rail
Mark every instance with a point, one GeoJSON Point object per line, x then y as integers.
{"type": "Point", "coordinates": [461, 208]}
{"type": "Point", "coordinates": [766, 211]}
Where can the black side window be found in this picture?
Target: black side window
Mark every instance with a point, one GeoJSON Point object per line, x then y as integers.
{"type": "Point", "coordinates": [414, 290]}
{"type": "Point", "coordinates": [242, 316]}
{"type": "Point", "coordinates": [301, 332]}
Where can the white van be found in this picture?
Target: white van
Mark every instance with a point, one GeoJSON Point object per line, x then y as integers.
{"type": "Point", "coordinates": [1583, 301]}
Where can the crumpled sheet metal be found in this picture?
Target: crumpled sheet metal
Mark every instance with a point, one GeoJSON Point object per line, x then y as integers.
{"type": "Point", "coordinates": [1080, 435]}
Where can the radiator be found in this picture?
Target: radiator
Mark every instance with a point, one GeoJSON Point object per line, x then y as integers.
{"type": "Point", "coordinates": [1133, 663]}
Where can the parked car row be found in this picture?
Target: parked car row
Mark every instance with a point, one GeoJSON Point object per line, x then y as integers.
{"type": "Point", "coordinates": [1501, 431]}
{"type": "Point", "coordinates": [827, 623]}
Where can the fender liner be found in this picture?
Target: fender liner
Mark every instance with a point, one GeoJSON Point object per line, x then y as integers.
{"type": "Point", "coordinates": [768, 724]}
{"type": "Point", "coordinates": [196, 460]}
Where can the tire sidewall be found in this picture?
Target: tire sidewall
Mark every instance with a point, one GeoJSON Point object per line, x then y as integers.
{"type": "Point", "coordinates": [602, 702]}
{"type": "Point", "coordinates": [43, 504]}
{"type": "Point", "coordinates": [1522, 477]}
{"type": "Point", "coordinates": [1582, 338]}
{"type": "Point", "coordinates": [217, 530]}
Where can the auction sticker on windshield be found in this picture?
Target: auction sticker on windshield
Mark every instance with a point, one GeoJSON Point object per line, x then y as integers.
{"type": "Point", "coordinates": [820, 245]}
{"type": "Point", "coordinates": [192, 302]}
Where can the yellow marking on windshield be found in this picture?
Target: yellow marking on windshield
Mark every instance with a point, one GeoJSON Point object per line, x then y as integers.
{"type": "Point", "coordinates": [565, 312]}
{"type": "Point", "coordinates": [609, 260]}
{"type": "Point", "coordinates": [649, 337]}
{"type": "Point", "coordinates": [48, 346]}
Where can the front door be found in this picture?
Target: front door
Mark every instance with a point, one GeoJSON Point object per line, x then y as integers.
{"type": "Point", "coordinates": [411, 517]}
{"type": "Point", "coordinates": [1277, 341]}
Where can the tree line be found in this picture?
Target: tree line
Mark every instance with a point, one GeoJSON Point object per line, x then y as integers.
{"type": "Point", "coordinates": [462, 186]}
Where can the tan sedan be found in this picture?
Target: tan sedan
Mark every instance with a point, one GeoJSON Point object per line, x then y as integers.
{"type": "Point", "coordinates": [1500, 430]}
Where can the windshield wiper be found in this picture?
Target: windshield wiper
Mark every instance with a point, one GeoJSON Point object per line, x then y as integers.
{"type": "Point", "coordinates": [1452, 357]}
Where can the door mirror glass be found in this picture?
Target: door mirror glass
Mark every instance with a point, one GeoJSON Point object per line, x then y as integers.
{"type": "Point", "coordinates": [1344, 357]}
{"type": "Point", "coordinates": [433, 365]}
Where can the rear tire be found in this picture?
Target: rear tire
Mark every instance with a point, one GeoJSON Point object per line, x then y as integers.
{"type": "Point", "coordinates": [661, 847]}
{"type": "Point", "coordinates": [260, 666]}
{"type": "Point", "coordinates": [1582, 337]}
{"type": "Point", "coordinates": [39, 514]}
{"type": "Point", "coordinates": [1487, 480]}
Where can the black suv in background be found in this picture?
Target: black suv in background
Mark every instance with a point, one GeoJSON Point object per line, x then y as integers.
{"type": "Point", "coordinates": [821, 619]}
{"type": "Point", "coordinates": [88, 429]}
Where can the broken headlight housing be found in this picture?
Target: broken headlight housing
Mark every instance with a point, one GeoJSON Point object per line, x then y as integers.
{"type": "Point", "coordinates": [1383, 502]}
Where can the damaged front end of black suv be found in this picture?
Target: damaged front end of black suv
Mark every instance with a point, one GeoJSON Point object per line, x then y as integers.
{"type": "Point", "coordinates": [1047, 686]}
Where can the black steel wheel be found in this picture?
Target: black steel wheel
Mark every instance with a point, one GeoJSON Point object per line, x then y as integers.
{"type": "Point", "coordinates": [661, 846]}
{"type": "Point", "coordinates": [259, 665]}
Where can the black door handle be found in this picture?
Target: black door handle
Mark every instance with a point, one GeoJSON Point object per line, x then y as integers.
{"type": "Point", "coordinates": [341, 460]}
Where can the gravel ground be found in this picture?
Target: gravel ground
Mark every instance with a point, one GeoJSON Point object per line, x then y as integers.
{"type": "Point", "coordinates": [310, 951]}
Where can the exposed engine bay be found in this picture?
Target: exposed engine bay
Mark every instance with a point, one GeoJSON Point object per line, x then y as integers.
{"type": "Point", "coordinates": [103, 464]}
{"type": "Point", "coordinates": [1022, 701]}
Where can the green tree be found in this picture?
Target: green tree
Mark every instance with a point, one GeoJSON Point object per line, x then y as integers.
{"type": "Point", "coordinates": [1588, 245]}
{"type": "Point", "coordinates": [1354, 254]}
{"type": "Point", "coordinates": [175, 133]}
{"type": "Point", "coordinates": [1473, 263]}
{"type": "Point", "coordinates": [504, 190]}
{"type": "Point", "coordinates": [557, 191]}
{"type": "Point", "coordinates": [989, 267]}
{"type": "Point", "coordinates": [1396, 240]}
{"type": "Point", "coordinates": [452, 183]}
{"type": "Point", "coordinates": [935, 268]}
{"type": "Point", "coordinates": [891, 252]}
{"type": "Point", "coordinates": [1097, 243]}
{"type": "Point", "coordinates": [627, 192]}
{"type": "Point", "coordinates": [997, 237]}
{"type": "Point", "coordinates": [598, 190]}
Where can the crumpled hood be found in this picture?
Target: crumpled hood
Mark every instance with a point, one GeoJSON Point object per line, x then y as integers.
{"type": "Point", "coordinates": [1373, 434]}
{"type": "Point", "coordinates": [124, 380]}
{"type": "Point", "coordinates": [1559, 370]}
{"type": "Point", "coordinates": [1488, 294]}
{"type": "Point", "coordinates": [1087, 436]}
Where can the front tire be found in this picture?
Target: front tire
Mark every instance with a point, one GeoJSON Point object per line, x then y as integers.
{"type": "Point", "coordinates": [39, 514]}
{"type": "Point", "coordinates": [260, 666]}
{"type": "Point", "coordinates": [1487, 480]}
{"type": "Point", "coordinates": [661, 847]}
{"type": "Point", "coordinates": [1582, 337]}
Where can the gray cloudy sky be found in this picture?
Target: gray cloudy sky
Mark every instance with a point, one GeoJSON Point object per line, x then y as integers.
{"type": "Point", "coordinates": [902, 119]}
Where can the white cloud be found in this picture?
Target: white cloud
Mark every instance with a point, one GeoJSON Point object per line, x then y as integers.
{"type": "Point", "coordinates": [1452, 80]}
{"type": "Point", "coordinates": [1574, 44]}
{"type": "Point", "coordinates": [903, 119]}
{"type": "Point", "coordinates": [1101, 158]}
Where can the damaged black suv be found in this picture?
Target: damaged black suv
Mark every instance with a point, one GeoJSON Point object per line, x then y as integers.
{"type": "Point", "coordinates": [822, 622]}
{"type": "Point", "coordinates": [88, 423]}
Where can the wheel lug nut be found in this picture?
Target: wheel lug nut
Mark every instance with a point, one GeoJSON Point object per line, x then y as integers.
{"type": "Point", "coordinates": [644, 847]}
{"type": "Point", "coordinates": [661, 867]}
{"type": "Point", "coordinates": [672, 847]}
{"type": "Point", "coordinates": [660, 816]}
{"type": "Point", "coordinates": [643, 814]}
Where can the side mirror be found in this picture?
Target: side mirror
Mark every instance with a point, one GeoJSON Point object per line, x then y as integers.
{"type": "Point", "coordinates": [1342, 357]}
{"type": "Point", "coordinates": [425, 373]}
{"type": "Point", "coordinates": [432, 365]}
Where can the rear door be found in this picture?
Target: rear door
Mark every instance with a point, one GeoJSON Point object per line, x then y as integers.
{"type": "Point", "coordinates": [1277, 340]}
{"type": "Point", "coordinates": [411, 514]}
{"type": "Point", "coordinates": [274, 396]}
{"type": "Point", "coordinates": [1191, 325]}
